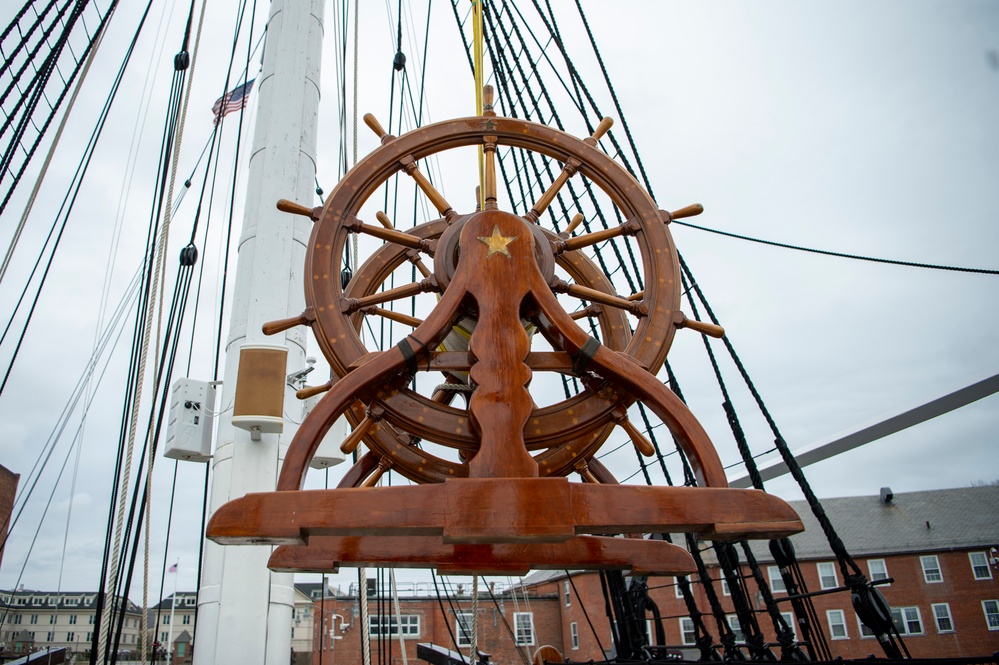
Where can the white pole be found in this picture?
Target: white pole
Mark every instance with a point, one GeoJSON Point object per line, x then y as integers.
{"type": "Point", "coordinates": [173, 606]}
{"type": "Point", "coordinates": [244, 610]}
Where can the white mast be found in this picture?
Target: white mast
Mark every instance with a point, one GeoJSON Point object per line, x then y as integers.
{"type": "Point", "coordinates": [245, 610]}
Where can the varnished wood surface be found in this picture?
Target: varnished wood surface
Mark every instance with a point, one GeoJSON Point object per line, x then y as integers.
{"type": "Point", "coordinates": [501, 510]}
{"type": "Point", "coordinates": [637, 556]}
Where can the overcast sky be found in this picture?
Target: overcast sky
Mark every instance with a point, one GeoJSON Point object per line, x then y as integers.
{"type": "Point", "coordinates": [857, 127]}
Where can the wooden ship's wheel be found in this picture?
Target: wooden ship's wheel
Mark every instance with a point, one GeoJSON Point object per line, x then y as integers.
{"type": "Point", "coordinates": [504, 503]}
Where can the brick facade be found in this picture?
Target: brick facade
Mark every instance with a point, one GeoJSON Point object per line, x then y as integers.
{"type": "Point", "coordinates": [496, 624]}
{"type": "Point", "coordinates": [8, 489]}
{"type": "Point", "coordinates": [969, 633]}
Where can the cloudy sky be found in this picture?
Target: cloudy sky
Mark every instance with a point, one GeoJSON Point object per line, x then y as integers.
{"type": "Point", "coordinates": [863, 128]}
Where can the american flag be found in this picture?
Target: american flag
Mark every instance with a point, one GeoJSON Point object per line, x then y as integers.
{"type": "Point", "coordinates": [173, 568]}
{"type": "Point", "coordinates": [232, 101]}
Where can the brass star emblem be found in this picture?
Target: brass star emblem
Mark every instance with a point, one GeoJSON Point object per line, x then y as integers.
{"type": "Point", "coordinates": [490, 125]}
{"type": "Point", "coordinates": [496, 243]}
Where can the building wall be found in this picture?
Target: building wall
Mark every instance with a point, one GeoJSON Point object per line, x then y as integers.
{"type": "Point", "coordinates": [494, 627]}
{"type": "Point", "coordinates": [959, 589]}
{"type": "Point", "coordinates": [8, 489]}
{"type": "Point", "coordinates": [53, 625]}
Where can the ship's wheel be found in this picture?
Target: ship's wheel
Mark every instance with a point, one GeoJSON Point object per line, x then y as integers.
{"type": "Point", "coordinates": [494, 506]}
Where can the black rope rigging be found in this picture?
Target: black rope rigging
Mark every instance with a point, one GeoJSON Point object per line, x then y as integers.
{"type": "Point", "coordinates": [36, 91]}
{"type": "Point", "coordinates": [842, 255]}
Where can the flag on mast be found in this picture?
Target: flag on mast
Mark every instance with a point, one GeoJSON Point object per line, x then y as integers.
{"type": "Point", "coordinates": [172, 569]}
{"type": "Point", "coordinates": [232, 101]}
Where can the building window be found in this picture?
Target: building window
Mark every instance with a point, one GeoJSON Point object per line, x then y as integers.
{"type": "Point", "coordinates": [791, 623]}
{"type": "Point", "coordinates": [877, 569]}
{"type": "Point", "coordinates": [90, 620]}
{"type": "Point", "coordinates": [941, 614]}
{"type": "Point", "coordinates": [409, 626]}
{"type": "Point", "coordinates": [90, 637]}
{"type": "Point", "coordinates": [574, 635]}
{"type": "Point", "coordinates": [980, 565]}
{"type": "Point", "coordinates": [827, 575]}
{"type": "Point", "coordinates": [837, 625]}
{"type": "Point", "coordinates": [163, 637]}
{"type": "Point", "coordinates": [676, 588]}
{"type": "Point", "coordinates": [523, 626]}
{"type": "Point", "coordinates": [688, 636]}
{"type": "Point", "coordinates": [931, 568]}
{"type": "Point", "coordinates": [36, 601]}
{"type": "Point", "coordinates": [22, 601]}
{"type": "Point", "coordinates": [565, 592]}
{"type": "Point", "coordinates": [906, 620]}
{"type": "Point", "coordinates": [186, 620]}
{"type": "Point", "coordinates": [726, 591]}
{"type": "Point", "coordinates": [776, 580]}
{"type": "Point", "coordinates": [733, 623]}
{"type": "Point", "coordinates": [72, 619]}
{"type": "Point", "coordinates": [34, 618]}
{"type": "Point", "coordinates": [166, 619]}
{"type": "Point", "coordinates": [991, 608]}
{"type": "Point", "coordinates": [52, 618]}
{"type": "Point", "coordinates": [72, 602]}
{"type": "Point", "coordinates": [17, 618]}
{"type": "Point", "coordinates": [49, 637]}
{"type": "Point", "coordinates": [70, 637]}
{"type": "Point", "coordinates": [463, 628]}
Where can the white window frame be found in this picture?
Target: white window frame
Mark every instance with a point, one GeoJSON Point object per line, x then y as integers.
{"type": "Point", "coordinates": [881, 574]}
{"type": "Point", "coordinates": [463, 628]}
{"type": "Point", "coordinates": [776, 580]}
{"type": "Point", "coordinates": [726, 590]}
{"type": "Point", "coordinates": [837, 618]}
{"type": "Point", "coordinates": [687, 628]}
{"type": "Point", "coordinates": [905, 615]}
{"type": "Point", "coordinates": [792, 624]}
{"type": "Point", "coordinates": [930, 563]}
{"type": "Point", "coordinates": [984, 564]}
{"type": "Point", "coordinates": [831, 568]}
{"type": "Point", "coordinates": [70, 636]}
{"type": "Point", "coordinates": [991, 613]}
{"type": "Point", "coordinates": [566, 598]}
{"type": "Point", "coordinates": [676, 588]}
{"type": "Point", "coordinates": [50, 637]}
{"type": "Point", "coordinates": [72, 602]}
{"type": "Point", "coordinates": [390, 625]}
{"type": "Point", "coordinates": [736, 627]}
{"type": "Point", "coordinates": [941, 612]}
{"type": "Point", "coordinates": [574, 635]}
{"type": "Point", "coordinates": [518, 619]}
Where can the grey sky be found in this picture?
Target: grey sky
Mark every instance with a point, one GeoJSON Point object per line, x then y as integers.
{"type": "Point", "coordinates": [858, 127]}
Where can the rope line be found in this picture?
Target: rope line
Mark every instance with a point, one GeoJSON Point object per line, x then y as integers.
{"type": "Point", "coordinates": [842, 255]}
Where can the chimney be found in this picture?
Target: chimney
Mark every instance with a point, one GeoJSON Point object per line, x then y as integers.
{"type": "Point", "coordinates": [886, 495]}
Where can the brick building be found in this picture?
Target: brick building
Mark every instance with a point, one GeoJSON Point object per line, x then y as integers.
{"type": "Point", "coordinates": [8, 489]}
{"type": "Point", "coordinates": [938, 547]}
{"type": "Point", "coordinates": [513, 623]}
